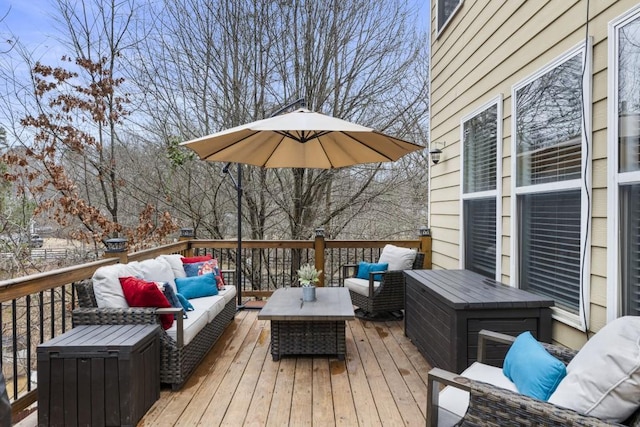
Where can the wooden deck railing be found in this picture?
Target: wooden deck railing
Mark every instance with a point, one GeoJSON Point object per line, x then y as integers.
{"type": "Point", "coordinates": [36, 308]}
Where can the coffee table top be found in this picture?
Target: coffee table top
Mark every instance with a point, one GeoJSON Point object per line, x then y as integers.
{"type": "Point", "coordinates": [330, 304]}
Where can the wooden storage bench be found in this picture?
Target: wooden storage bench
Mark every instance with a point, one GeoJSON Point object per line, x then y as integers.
{"type": "Point", "coordinates": [445, 310]}
{"type": "Point", "coordinates": [101, 375]}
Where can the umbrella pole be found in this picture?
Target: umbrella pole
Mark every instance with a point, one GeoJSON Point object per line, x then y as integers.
{"type": "Point", "coordinates": [239, 251]}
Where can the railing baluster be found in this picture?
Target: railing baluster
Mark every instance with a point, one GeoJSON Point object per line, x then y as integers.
{"type": "Point", "coordinates": [28, 312]}
{"type": "Point", "coordinates": [14, 350]}
{"type": "Point", "coordinates": [52, 311]}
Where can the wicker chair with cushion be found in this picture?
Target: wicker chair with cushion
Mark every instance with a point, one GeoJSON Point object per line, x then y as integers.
{"type": "Point", "coordinates": [377, 292]}
{"type": "Point", "coordinates": [601, 386]}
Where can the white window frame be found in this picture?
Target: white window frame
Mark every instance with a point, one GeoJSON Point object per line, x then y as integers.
{"type": "Point", "coordinates": [615, 178]}
{"type": "Point", "coordinates": [581, 319]}
{"type": "Point", "coordinates": [445, 24]}
{"type": "Point", "coordinates": [497, 193]}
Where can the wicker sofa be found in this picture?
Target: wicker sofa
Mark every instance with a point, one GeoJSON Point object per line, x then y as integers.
{"type": "Point", "coordinates": [494, 402]}
{"type": "Point", "coordinates": [184, 345]}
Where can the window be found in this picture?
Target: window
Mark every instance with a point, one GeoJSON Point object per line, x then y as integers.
{"type": "Point", "coordinates": [446, 9]}
{"type": "Point", "coordinates": [550, 254]}
{"type": "Point", "coordinates": [480, 140]}
{"type": "Point", "coordinates": [630, 248]}
{"type": "Point", "coordinates": [550, 214]}
{"type": "Point", "coordinates": [624, 166]}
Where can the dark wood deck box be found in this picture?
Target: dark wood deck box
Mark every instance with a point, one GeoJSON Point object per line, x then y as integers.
{"type": "Point", "coordinates": [102, 375]}
{"type": "Point", "coordinates": [445, 310]}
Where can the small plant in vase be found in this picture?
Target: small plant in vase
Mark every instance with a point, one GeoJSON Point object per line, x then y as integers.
{"type": "Point", "coordinates": [308, 276]}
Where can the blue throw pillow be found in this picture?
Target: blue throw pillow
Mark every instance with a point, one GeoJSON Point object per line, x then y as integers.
{"type": "Point", "coordinates": [197, 286]}
{"type": "Point", "coordinates": [534, 371]}
{"type": "Point", "coordinates": [186, 305]}
{"type": "Point", "coordinates": [172, 297]}
{"type": "Point", "coordinates": [192, 269]}
{"type": "Point", "coordinates": [364, 268]}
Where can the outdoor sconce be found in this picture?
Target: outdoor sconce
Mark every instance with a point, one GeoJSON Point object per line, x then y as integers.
{"type": "Point", "coordinates": [187, 233]}
{"type": "Point", "coordinates": [319, 232]}
{"type": "Point", "coordinates": [436, 152]}
{"type": "Point", "coordinates": [116, 244]}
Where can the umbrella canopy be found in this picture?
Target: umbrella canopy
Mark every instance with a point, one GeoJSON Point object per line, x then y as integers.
{"type": "Point", "coordinates": [301, 139]}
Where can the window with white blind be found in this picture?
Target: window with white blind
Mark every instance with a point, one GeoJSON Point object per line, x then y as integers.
{"type": "Point", "coordinates": [549, 183]}
{"type": "Point", "coordinates": [480, 137]}
{"type": "Point", "coordinates": [550, 248]}
{"type": "Point", "coordinates": [630, 248]}
{"type": "Point", "coordinates": [445, 10]}
{"type": "Point", "coordinates": [624, 166]}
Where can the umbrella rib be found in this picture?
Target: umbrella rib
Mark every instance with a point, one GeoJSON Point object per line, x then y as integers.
{"type": "Point", "coordinates": [368, 146]}
{"type": "Point", "coordinates": [206, 157]}
{"type": "Point", "coordinates": [304, 136]}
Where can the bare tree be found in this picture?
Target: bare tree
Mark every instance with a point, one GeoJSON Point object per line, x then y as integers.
{"type": "Point", "coordinates": [77, 115]}
{"type": "Point", "coordinates": [206, 66]}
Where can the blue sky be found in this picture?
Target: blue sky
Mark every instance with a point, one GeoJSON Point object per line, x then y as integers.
{"type": "Point", "coordinates": [31, 21]}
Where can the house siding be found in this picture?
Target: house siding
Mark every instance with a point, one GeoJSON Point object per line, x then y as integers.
{"type": "Point", "coordinates": [487, 48]}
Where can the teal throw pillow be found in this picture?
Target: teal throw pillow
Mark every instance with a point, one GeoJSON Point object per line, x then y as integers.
{"type": "Point", "coordinates": [186, 305]}
{"type": "Point", "coordinates": [364, 268]}
{"type": "Point", "coordinates": [534, 371]}
{"type": "Point", "coordinates": [197, 286]}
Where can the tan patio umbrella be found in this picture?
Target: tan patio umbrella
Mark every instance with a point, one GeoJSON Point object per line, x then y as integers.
{"type": "Point", "coordinates": [301, 139]}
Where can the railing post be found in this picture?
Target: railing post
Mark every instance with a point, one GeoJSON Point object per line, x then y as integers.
{"type": "Point", "coordinates": [425, 246]}
{"type": "Point", "coordinates": [116, 248]}
{"type": "Point", "coordinates": [187, 233]}
{"type": "Point", "coordinates": [319, 247]}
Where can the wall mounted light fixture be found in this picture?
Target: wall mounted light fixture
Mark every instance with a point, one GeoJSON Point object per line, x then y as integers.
{"type": "Point", "coordinates": [436, 152]}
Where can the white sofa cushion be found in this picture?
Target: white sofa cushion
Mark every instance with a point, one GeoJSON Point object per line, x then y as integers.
{"type": "Point", "coordinates": [155, 270]}
{"type": "Point", "coordinates": [192, 325]}
{"type": "Point", "coordinates": [212, 305]}
{"type": "Point", "coordinates": [398, 258]}
{"type": "Point", "coordinates": [456, 401]}
{"type": "Point", "coordinates": [228, 292]}
{"type": "Point", "coordinates": [603, 379]}
{"type": "Point", "coordinates": [106, 285]}
{"type": "Point", "coordinates": [175, 261]}
{"type": "Point", "coordinates": [359, 286]}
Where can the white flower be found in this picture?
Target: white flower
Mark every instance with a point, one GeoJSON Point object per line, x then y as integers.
{"type": "Point", "coordinates": [307, 275]}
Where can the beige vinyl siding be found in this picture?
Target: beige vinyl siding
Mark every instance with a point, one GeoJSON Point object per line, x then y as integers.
{"type": "Point", "coordinates": [486, 49]}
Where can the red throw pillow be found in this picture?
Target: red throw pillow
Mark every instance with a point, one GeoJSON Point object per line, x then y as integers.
{"type": "Point", "coordinates": [193, 259]}
{"type": "Point", "coordinates": [140, 293]}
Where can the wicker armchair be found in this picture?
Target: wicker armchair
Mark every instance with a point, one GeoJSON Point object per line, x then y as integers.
{"type": "Point", "coordinates": [494, 406]}
{"type": "Point", "coordinates": [177, 361]}
{"type": "Point", "coordinates": [388, 296]}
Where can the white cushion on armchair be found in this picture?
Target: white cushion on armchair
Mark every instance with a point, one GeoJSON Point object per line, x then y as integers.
{"type": "Point", "coordinates": [603, 379]}
{"type": "Point", "coordinates": [359, 286]}
{"type": "Point", "coordinates": [398, 258]}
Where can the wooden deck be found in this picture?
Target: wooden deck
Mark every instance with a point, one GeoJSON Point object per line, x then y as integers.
{"type": "Point", "coordinates": [381, 382]}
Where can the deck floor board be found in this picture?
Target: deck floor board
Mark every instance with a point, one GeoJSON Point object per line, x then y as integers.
{"type": "Point", "coordinates": [382, 381]}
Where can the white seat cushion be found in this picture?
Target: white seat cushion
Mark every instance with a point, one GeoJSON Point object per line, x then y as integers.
{"type": "Point", "coordinates": [229, 293]}
{"type": "Point", "coordinates": [212, 305]}
{"type": "Point", "coordinates": [196, 320]}
{"type": "Point", "coordinates": [398, 258]}
{"type": "Point", "coordinates": [359, 286]}
{"type": "Point", "coordinates": [456, 401]}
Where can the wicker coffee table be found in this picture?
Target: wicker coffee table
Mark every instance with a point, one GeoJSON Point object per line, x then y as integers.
{"type": "Point", "coordinates": [316, 327]}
